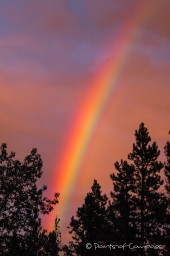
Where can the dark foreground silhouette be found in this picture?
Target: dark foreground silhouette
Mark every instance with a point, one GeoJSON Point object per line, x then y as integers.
{"type": "Point", "coordinates": [134, 221]}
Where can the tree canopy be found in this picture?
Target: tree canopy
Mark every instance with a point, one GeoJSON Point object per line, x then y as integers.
{"type": "Point", "coordinates": [21, 204]}
{"type": "Point", "coordinates": [90, 226]}
{"type": "Point", "coordinates": [136, 216]}
{"type": "Point", "coordinates": [138, 211]}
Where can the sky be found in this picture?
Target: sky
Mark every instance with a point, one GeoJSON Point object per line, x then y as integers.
{"type": "Point", "coordinates": [76, 80]}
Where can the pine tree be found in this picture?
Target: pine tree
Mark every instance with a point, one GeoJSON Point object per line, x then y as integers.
{"type": "Point", "coordinates": [150, 204]}
{"type": "Point", "coordinates": [91, 225]}
{"type": "Point", "coordinates": [52, 244]}
{"type": "Point", "coordinates": [138, 206]}
{"type": "Point", "coordinates": [123, 206]}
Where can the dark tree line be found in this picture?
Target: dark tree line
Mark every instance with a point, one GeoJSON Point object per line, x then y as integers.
{"type": "Point", "coordinates": [137, 214]}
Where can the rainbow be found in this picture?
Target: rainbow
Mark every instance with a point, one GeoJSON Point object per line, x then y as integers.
{"type": "Point", "coordinates": [95, 101]}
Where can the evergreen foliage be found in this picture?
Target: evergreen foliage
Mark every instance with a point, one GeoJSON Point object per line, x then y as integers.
{"type": "Point", "coordinates": [123, 206]}
{"type": "Point", "coordinates": [52, 243]}
{"type": "Point", "coordinates": [21, 204]}
{"type": "Point", "coordinates": [91, 225]}
{"type": "Point", "coordinates": [150, 203]}
{"type": "Point", "coordinates": [138, 212]}
{"type": "Point", "coordinates": [139, 206]}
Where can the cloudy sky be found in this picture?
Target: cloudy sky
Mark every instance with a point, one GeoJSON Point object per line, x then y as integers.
{"type": "Point", "coordinates": [76, 80]}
